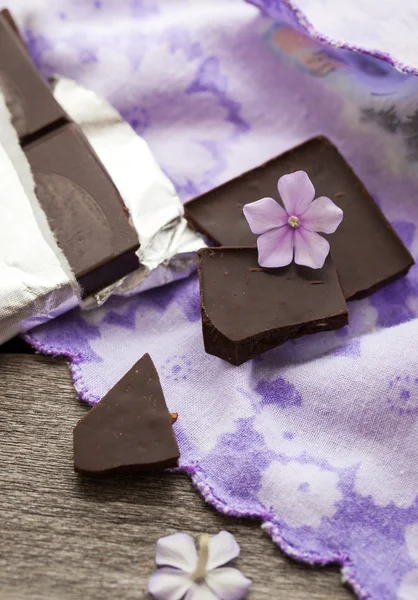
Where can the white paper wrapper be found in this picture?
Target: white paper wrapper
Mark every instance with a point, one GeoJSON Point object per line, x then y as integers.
{"type": "Point", "coordinates": [36, 281]}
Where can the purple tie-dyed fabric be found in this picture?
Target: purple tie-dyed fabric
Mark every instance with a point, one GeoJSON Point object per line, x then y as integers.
{"type": "Point", "coordinates": [318, 438]}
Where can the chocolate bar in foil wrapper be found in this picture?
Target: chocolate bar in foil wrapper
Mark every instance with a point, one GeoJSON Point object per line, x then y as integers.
{"type": "Point", "coordinates": [168, 244]}
{"type": "Point", "coordinates": [44, 270]}
{"type": "Point", "coordinates": [36, 282]}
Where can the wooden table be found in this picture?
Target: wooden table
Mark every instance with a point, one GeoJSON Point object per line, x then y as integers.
{"type": "Point", "coordinates": [63, 536]}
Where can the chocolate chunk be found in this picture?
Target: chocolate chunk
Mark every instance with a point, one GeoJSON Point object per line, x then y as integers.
{"type": "Point", "coordinates": [27, 94]}
{"type": "Point", "coordinates": [130, 429]}
{"type": "Point", "coordinates": [365, 249]}
{"type": "Point", "coordinates": [247, 310]}
{"type": "Point", "coordinates": [83, 207]}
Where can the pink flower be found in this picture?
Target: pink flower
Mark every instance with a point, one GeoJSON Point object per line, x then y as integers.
{"type": "Point", "coordinates": [191, 575]}
{"type": "Point", "coordinates": [292, 229]}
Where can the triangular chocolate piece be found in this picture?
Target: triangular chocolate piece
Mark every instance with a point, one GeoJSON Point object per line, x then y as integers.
{"type": "Point", "coordinates": [130, 429]}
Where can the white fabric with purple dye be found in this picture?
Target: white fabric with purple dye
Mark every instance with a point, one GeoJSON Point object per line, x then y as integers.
{"type": "Point", "coordinates": [318, 438]}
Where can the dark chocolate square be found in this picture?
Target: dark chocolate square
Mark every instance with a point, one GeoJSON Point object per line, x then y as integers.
{"type": "Point", "coordinates": [28, 96]}
{"type": "Point", "coordinates": [247, 310]}
{"type": "Point", "coordinates": [84, 209]}
{"type": "Point", "coordinates": [365, 249]}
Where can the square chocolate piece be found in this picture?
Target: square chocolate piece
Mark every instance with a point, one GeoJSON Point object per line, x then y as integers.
{"type": "Point", "coordinates": [28, 96]}
{"type": "Point", "coordinates": [247, 310]}
{"type": "Point", "coordinates": [84, 209]}
{"type": "Point", "coordinates": [365, 249]}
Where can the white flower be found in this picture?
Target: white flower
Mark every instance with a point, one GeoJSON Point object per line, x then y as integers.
{"type": "Point", "coordinates": [187, 574]}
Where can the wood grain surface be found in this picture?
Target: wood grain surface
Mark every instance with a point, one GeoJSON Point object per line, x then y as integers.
{"type": "Point", "coordinates": [65, 536]}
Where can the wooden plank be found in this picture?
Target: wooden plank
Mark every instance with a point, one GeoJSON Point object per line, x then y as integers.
{"type": "Point", "coordinates": [66, 537]}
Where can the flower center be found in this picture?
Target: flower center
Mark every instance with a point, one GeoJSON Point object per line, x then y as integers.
{"type": "Point", "coordinates": [200, 571]}
{"type": "Point", "coordinates": [293, 222]}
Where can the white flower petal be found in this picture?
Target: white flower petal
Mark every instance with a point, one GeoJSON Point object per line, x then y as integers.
{"type": "Point", "coordinates": [177, 550]}
{"type": "Point", "coordinates": [228, 583]}
{"type": "Point", "coordinates": [200, 591]}
{"type": "Point", "coordinates": [264, 214]}
{"type": "Point", "coordinates": [322, 215]}
{"type": "Point", "coordinates": [296, 191]}
{"type": "Point", "coordinates": [169, 584]}
{"type": "Point", "coordinates": [222, 548]}
{"type": "Point", "coordinates": [275, 248]}
{"type": "Point", "coordinates": [311, 249]}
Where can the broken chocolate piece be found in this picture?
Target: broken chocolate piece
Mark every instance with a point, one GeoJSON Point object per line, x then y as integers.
{"type": "Point", "coordinates": [84, 209]}
{"type": "Point", "coordinates": [365, 249]}
{"type": "Point", "coordinates": [27, 94]}
{"type": "Point", "coordinates": [129, 429]}
{"type": "Point", "coordinates": [247, 310]}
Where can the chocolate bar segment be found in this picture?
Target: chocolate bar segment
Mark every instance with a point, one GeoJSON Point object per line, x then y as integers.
{"type": "Point", "coordinates": [247, 310]}
{"type": "Point", "coordinates": [84, 209]}
{"type": "Point", "coordinates": [27, 94]}
{"type": "Point", "coordinates": [130, 429]}
{"type": "Point", "coordinates": [365, 249]}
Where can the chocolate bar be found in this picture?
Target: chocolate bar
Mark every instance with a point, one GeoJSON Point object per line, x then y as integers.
{"type": "Point", "coordinates": [247, 310]}
{"type": "Point", "coordinates": [130, 429]}
{"type": "Point", "coordinates": [365, 249]}
{"type": "Point", "coordinates": [27, 95]}
{"type": "Point", "coordinates": [83, 207]}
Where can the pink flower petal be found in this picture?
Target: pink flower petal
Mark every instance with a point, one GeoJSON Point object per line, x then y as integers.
{"type": "Point", "coordinates": [169, 584]}
{"type": "Point", "coordinates": [228, 583]}
{"type": "Point", "coordinates": [200, 591]}
{"type": "Point", "coordinates": [264, 214]}
{"type": "Point", "coordinates": [177, 550]}
{"type": "Point", "coordinates": [322, 215]}
{"type": "Point", "coordinates": [222, 548]}
{"type": "Point", "coordinates": [311, 249]}
{"type": "Point", "coordinates": [297, 192]}
{"type": "Point", "coordinates": [275, 248]}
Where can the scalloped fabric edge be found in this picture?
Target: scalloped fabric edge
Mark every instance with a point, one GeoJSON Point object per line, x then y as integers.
{"type": "Point", "coordinates": [270, 523]}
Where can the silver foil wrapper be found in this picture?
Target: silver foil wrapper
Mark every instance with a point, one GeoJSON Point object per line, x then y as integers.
{"type": "Point", "coordinates": [36, 282]}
